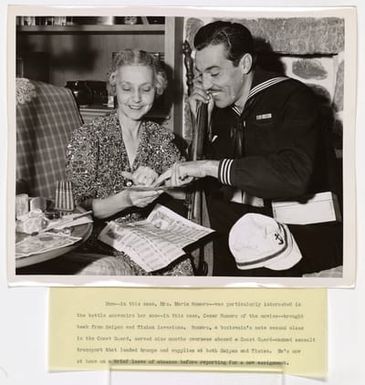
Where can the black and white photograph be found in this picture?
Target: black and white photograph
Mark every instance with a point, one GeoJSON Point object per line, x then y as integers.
{"type": "Point", "coordinates": [181, 148]}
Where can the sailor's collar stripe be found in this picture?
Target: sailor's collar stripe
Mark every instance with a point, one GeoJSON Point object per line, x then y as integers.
{"type": "Point", "coordinates": [260, 87]}
{"type": "Point", "coordinates": [266, 84]}
{"type": "Point", "coordinates": [236, 110]}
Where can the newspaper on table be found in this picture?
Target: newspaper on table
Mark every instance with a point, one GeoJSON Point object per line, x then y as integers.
{"type": "Point", "coordinates": [155, 242]}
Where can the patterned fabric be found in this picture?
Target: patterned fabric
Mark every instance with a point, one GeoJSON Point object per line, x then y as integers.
{"type": "Point", "coordinates": [45, 118]}
{"type": "Point", "coordinates": [96, 157]}
{"type": "Point", "coordinates": [25, 91]}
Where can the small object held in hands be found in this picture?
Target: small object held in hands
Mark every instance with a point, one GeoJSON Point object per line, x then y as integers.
{"type": "Point", "coordinates": [162, 178]}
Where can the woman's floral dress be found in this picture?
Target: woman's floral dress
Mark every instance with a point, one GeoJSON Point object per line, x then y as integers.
{"type": "Point", "coordinates": [95, 159]}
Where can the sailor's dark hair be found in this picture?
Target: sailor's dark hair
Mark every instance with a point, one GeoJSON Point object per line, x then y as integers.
{"type": "Point", "coordinates": [236, 38]}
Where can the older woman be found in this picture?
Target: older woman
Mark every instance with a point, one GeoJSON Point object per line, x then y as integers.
{"type": "Point", "coordinates": [104, 156]}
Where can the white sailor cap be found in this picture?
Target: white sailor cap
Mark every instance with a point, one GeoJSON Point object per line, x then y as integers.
{"type": "Point", "coordinates": [257, 240]}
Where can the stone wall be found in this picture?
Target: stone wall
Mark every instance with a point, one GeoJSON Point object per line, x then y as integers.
{"type": "Point", "coordinates": [294, 36]}
{"type": "Point", "coordinates": [308, 49]}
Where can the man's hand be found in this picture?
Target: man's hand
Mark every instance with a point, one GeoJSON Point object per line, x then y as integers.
{"type": "Point", "coordinates": [183, 173]}
{"type": "Point", "coordinates": [143, 176]}
{"type": "Point", "coordinates": [198, 96]}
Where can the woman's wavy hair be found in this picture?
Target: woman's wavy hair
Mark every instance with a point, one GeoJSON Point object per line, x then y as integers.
{"type": "Point", "coordinates": [138, 58]}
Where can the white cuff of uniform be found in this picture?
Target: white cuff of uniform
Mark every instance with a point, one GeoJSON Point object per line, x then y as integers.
{"type": "Point", "coordinates": [224, 171]}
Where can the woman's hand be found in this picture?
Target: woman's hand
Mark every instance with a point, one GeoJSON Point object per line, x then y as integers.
{"type": "Point", "coordinates": [143, 176]}
{"type": "Point", "coordinates": [104, 208]}
{"type": "Point", "coordinates": [142, 198]}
